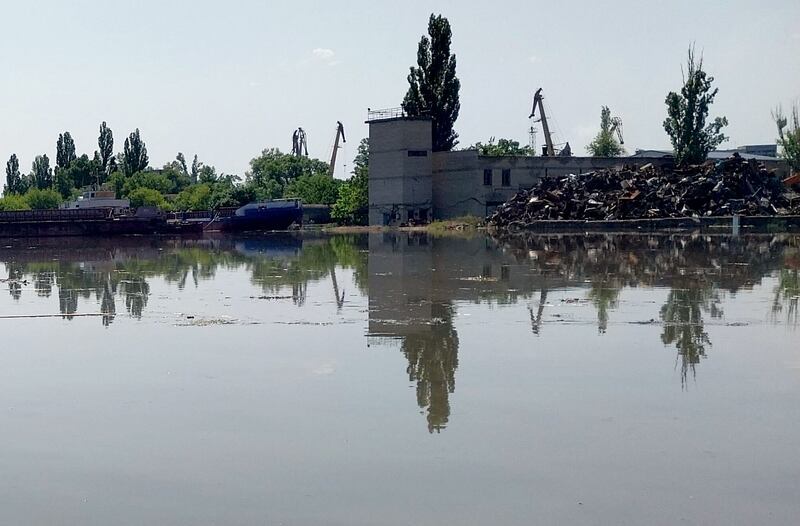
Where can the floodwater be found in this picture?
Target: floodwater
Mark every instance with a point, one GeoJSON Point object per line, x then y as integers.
{"type": "Point", "coordinates": [400, 379]}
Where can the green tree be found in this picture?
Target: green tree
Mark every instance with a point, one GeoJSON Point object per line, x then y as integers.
{"type": "Point", "coordinates": [105, 143]}
{"type": "Point", "coordinates": [196, 197]}
{"type": "Point", "coordinates": [65, 151]}
{"type": "Point", "coordinates": [181, 160]}
{"type": "Point", "coordinates": [433, 85]}
{"type": "Point", "coordinates": [83, 172]}
{"type": "Point", "coordinates": [605, 144]}
{"type": "Point", "coordinates": [41, 173]}
{"type": "Point", "coordinates": [12, 202]}
{"type": "Point", "coordinates": [687, 112]}
{"type": "Point", "coordinates": [789, 136]}
{"type": "Point", "coordinates": [196, 166]}
{"type": "Point", "coordinates": [15, 183]}
{"type": "Point", "coordinates": [64, 184]}
{"type": "Point", "coordinates": [43, 199]}
{"type": "Point", "coordinates": [135, 154]}
{"type": "Point", "coordinates": [272, 171]}
{"type": "Point", "coordinates": [501, 148]}
{"type": "Point", "coordinates": [151, 179]}
{"type": "Point", "coordinates": [352, 206]}
{"type": "Point", "coordinates": [147, 197]}
{"type": "Point", "coordinates": [315, 189]}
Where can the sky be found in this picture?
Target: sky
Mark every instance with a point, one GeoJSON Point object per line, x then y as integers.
{"type": "Point", "coordinates": [224, 80]}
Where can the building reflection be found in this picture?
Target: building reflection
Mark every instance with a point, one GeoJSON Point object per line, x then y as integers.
{"type": "Point", "coordinates": [417, 282]}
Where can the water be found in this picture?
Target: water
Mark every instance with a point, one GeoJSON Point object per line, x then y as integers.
{"type": "Point", "coordinates": [400, 379]}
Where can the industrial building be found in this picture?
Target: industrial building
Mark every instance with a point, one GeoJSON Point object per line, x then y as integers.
{"type": "Point", "coordinates": [410, 183]}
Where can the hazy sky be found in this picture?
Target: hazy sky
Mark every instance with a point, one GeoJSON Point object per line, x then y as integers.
{"type": "Point", "coordinates": [227, 79]}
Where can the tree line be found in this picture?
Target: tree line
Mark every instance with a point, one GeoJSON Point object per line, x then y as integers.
{"type": "Point", "coordinates": [180, 185]}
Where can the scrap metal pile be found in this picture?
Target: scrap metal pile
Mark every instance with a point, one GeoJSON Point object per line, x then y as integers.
{"type": "Point", "coordinates": [723, 188]}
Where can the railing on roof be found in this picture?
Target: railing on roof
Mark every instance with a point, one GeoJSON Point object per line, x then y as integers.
{"type": "Point", "coordinates": [387, 113]}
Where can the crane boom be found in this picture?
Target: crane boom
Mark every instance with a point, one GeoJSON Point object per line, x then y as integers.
{"type": "Point", "coordinates": [339, 135]}
{"type": "Point", "coordinates": [538, 101]}
{"type": "Point", "coordinates": [616, 127]}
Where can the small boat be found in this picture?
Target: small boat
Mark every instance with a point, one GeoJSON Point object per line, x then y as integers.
{"type": "Point", "coordinates": [97, 199]}
{"type": "Point", "coordinates": [268, 215]}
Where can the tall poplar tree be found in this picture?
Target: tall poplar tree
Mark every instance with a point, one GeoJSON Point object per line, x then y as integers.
{"type": "Point", "coordinates": [15, 183]}
{"type": "Point", "coordinates": [105, 143]}
{"type": "Point", "coordinates": [41, 173]}
{"type": "Point", "coordinates": [433, 85]}
{"type": "Point", "coordinates": [135, 154]}
{"type": "Point", "coordinates": [65, 151]}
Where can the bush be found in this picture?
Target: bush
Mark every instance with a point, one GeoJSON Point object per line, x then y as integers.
{"type": "Point", "coordinates": [317, 189]}
{"type": "Point", "coordinates": [13, 202]}
{"type": "Point", "coordinates": [150, 180]}
{"type": "Point", "coordinates": [196, 197]}
{"type": "Point", "coordinates": [148, 197]}
{"type": "Point", "coordinates": [43, 199]}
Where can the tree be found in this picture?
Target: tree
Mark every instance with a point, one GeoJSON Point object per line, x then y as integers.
{"type": "Point", "coordinates": [605, 144]}
{"type": "Point", "coordinates": [789, 136]}
{"type": "Point", "coordinates": [433, 86]}
{"type": "Point", "coordinates": [501, 148]}
{"type": "Point", "coordinates": [352, 206]}
{"type": "Point", "coordinates": [318, 189]}
{"type": "Point", "coordinates": [43, 199]}
{"type": "Point", "coordinates": [147, 197]}
{"type": "Point", "coordinates": [196, 166]}
{"type": "Point", "coordinates": [13, 202]}
{"type": "Point", "coordinates": [135, 154]}
{"type": "Point", "coordinates": [153, 180]}
{"type": "Point", "coordinates": [272, 171]}
{"type": "Point", "coordinates": [181, 159]}
{"type": "Point", "coordinates": [41, 173]}
{"type": "Point", "coordinates": [196, 197]}
{"type": "Point", "coordinates": [687, 112]}
{"type": "Point", "coordinates": [65, 151]}
{"type": "Point", "coordinates": [105, 143]}
{"type": "Point", "coordinates": [15, 183]}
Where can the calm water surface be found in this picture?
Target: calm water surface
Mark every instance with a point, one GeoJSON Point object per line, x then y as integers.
{"type": "Point", "coordinates": [400, 379]}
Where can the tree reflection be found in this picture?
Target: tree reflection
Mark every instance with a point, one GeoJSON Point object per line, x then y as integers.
{"type": "Point", "coordinates": [102, 271]}
{"type": "Point", "coordinates": [432, 362]}
{"type": "Point", "coordinates": [682, 316]}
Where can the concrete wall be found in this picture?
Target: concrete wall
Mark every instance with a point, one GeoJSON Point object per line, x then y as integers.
{"type": "Point", "coordinates": [400, 157]}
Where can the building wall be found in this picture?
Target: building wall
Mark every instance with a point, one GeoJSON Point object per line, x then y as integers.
{"type": "Point", "coordinates": [400, 189]}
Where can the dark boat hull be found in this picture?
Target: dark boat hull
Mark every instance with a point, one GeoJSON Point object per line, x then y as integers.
{"type": "Point", "coordinates": [263, 217]}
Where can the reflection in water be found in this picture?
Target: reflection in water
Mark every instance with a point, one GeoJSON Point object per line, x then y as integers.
{"type": "Point", "coordinates": [417, 283]}
{"type": "Point", "coordinates": [432, 362]}
{"type": "Point", "coordinates": [83, 269]}
{"type": "Point", "coordinates": [682, 316]}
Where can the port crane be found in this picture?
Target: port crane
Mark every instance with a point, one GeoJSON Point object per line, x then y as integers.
{"type": "Point", "coordinates": [616, 127]}
{"type": "Point", "coordinates": [299, 143]}
{"type": "Point", "coordinates": [548, 149]}
{"type": "Point", "coordinates": [538, 99]}
{"type": "Point", "coordinates": [339, 136]}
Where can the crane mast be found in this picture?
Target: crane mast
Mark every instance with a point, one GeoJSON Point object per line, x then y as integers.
{"type": "Point", "coordinates": [339, 136]}
{"type": "Point", "coordinates": [616, 127]}
{"type": "Point", "coordinates": [538, 101]}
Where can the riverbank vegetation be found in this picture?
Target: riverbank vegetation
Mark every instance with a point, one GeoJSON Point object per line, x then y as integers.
{"type": "Point", "coordinates": [180, 185]}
